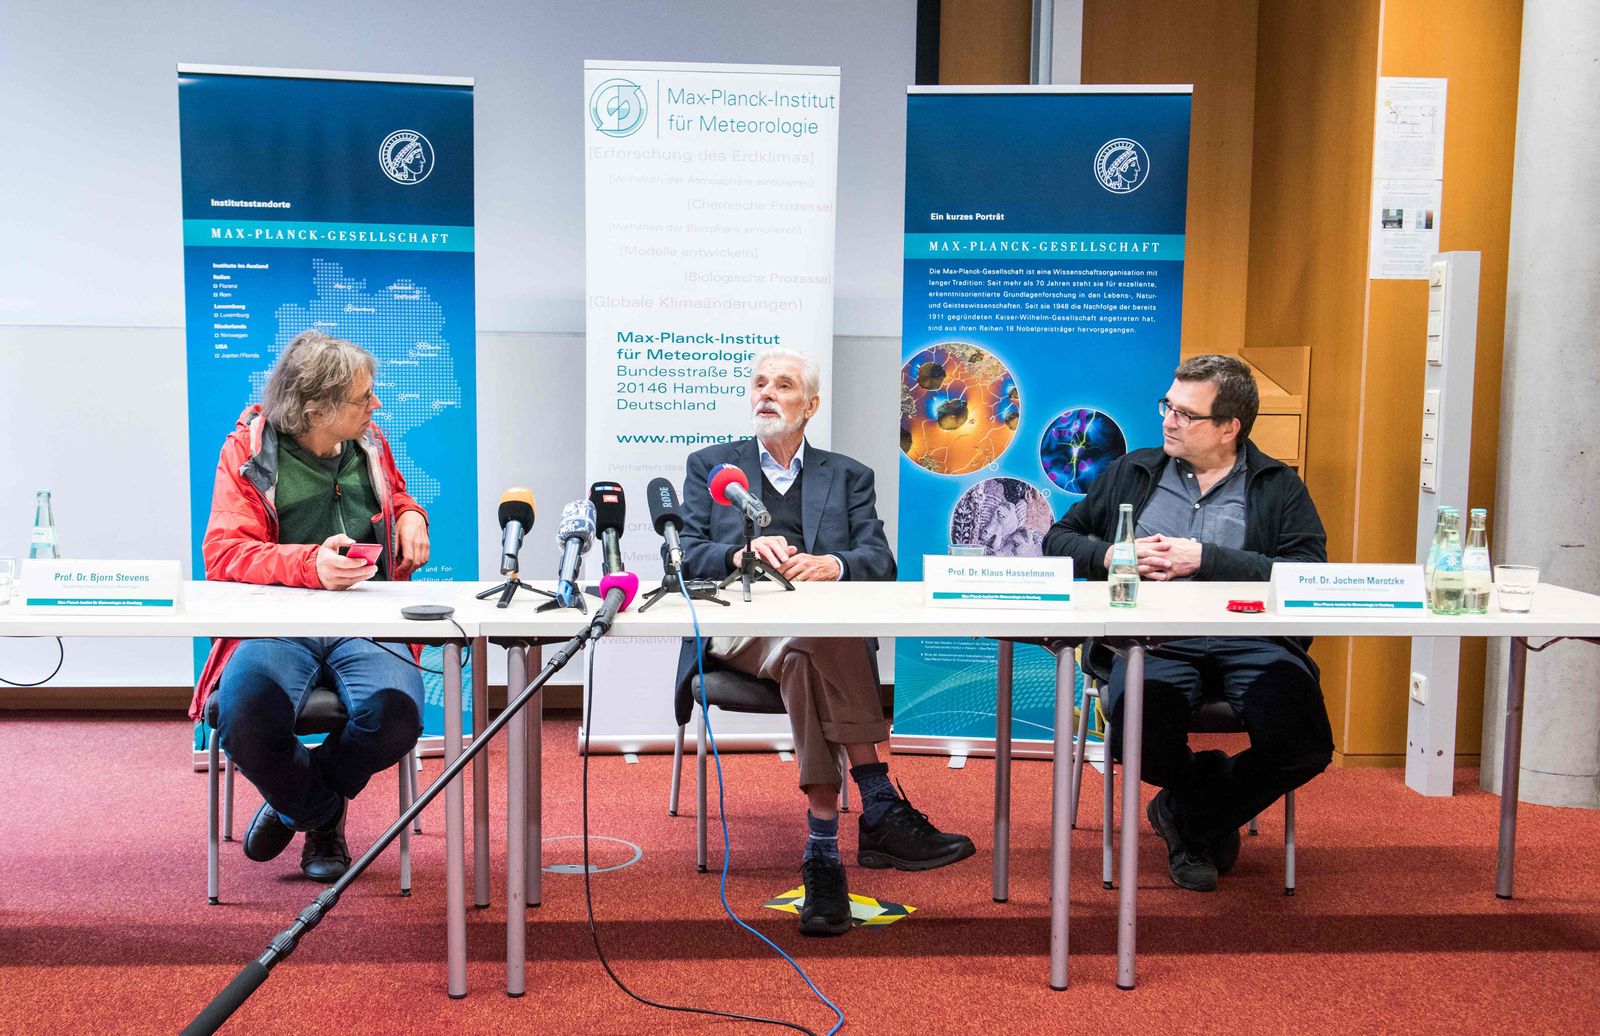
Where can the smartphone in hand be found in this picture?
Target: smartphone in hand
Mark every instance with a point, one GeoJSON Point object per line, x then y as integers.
{"type": "Point", "coordinates": [368, 552]}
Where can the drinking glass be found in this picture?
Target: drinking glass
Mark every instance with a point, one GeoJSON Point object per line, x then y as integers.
{"type": "Point", "coordinates": [8, 579]}
{"type": "Point", "coordinates": [1514, 586]}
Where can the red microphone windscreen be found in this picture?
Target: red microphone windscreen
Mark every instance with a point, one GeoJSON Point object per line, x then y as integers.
{"type": "Point", "coordinates": [723, 476]}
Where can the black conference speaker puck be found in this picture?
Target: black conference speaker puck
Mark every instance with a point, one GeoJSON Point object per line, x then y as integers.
{"type": "Point", "coordinates": [427, 612]}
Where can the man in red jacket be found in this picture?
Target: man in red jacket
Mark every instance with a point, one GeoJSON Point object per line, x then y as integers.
{"type": "Point", "coordinates": [305, 474]}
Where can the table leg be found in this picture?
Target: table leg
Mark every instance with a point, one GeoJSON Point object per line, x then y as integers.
{"type": "Point", "coordinates": [1511, 766]}
{"type": "Point", "coordinates": [480, 775]}
{"type": "Point", "coordinates": [516, 846]}
{"type": "Point", "coordinates": [533, 716]}
{"type": "Point", "coordinates": [1060, 823]}
{"type": "Point", "coordinates": [455, 849]}
{"type": "Point", "coordinates": [1132, 757]}
{"type": "Point", "coordinates": [1002, 774]}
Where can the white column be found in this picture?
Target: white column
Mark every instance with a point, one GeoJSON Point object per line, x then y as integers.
{"type": "Point", "coordinates": [1547, 494]}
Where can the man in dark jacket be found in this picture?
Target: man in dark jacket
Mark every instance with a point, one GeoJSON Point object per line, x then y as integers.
{"type": "Point", "coordinates": [1209, 505]}
{"type": "Point", "coordinates": [825, 527]}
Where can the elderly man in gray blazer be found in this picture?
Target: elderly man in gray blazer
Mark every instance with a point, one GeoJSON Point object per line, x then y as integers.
{"type": "Point", "coordinates": [825, 526]}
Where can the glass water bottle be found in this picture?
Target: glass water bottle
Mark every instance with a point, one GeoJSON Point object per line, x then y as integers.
{"type": "Point", "coordinates": [1124, 575]}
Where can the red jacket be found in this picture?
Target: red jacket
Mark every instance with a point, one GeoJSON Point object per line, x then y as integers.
{"type": "Point", "coordinates": [241, 543]}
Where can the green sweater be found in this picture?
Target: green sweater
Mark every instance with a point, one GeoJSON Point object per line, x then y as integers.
{"type": "Point", "coordinates": [318, 497]}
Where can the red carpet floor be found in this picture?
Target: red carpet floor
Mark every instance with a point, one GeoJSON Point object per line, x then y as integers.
{"type": "Point", "coordinates": [104, 925]}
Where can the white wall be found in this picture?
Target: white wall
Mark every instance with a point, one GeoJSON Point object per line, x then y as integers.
{"type": "Point", "coordinates": [92, 394]}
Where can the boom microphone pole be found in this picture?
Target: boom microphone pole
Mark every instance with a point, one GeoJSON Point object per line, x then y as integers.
{"type": "Point", "coordinates": [253, 974]}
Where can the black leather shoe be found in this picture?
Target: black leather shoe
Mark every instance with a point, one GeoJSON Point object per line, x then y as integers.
{"type": "Point", "coordinates": [904, 839]}
{"type": "Point", "coordinates": [325, 856]}
{"type": "Point", "coordinates": [1226, 852]}
{"type": "Point", "coordinates": [826, 910]}
{"type": "Point", "coordinates": [1187, 867]}
{"type": "Point", "coordinates": [267, 835]}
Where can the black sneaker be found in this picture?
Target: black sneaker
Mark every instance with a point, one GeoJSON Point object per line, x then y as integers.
{"type": "Point", "coordinates": [902, 838]}
{"type": "Point", "coordinates": [1226, 852]}
{"type": "Point", "coordinates": [267, 835]}
{"type": "Point", "coordinates": [826, 910]}
{"type": "Point", "coordinates": [325, 856]}
{"type": "Point", "coordinates": [1188, 869]}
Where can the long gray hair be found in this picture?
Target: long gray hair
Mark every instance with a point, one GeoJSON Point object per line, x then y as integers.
{"type": "Point", "coordinates": [312, 379]}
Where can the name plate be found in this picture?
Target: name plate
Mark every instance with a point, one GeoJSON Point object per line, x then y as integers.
{"type": "Point", "coordinates": [1362, 589]}
{"type": "Point", "coordinates": [100, 585]}
{"type": "Point", "coordinates": [962, 582]}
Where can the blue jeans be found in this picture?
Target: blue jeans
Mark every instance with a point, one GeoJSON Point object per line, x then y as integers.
{"type": "Point", "coordinates": [1275, 689]}
{"type": "Point", "coordinates": [262, 691]}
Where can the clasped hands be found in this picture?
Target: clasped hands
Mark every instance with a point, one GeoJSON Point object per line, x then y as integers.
{"type": "Point", "coordinates": [1164, 557]}
{"type": "Point", "coordinates": [790, 562]}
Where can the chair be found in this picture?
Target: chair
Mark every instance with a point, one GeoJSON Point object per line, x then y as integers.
{"type": "Point", "coordinates": [730, 691]}
{"type": "Point", "coordinates": [1213, 715]}
{"type": "Point", "coordinates": [322, 713]}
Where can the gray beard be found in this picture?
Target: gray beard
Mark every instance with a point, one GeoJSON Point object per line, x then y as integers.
{"type": "Point", "coordinates": [770, 426]}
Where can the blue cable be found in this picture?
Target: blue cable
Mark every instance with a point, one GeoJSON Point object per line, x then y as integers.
{"type": "Point", "coordinates": [722, 817]}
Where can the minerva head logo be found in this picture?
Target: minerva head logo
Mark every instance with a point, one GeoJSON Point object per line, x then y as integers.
{"type": "Point", "coordinates": [406, 157]}
{"type": "Point", "coordinates": [616, 107]}
{"type": "Point", "coordinates": [1121, 165]}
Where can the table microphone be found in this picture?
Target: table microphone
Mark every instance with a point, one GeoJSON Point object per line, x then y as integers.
{"type": "Point", "coordinates": [577, 532]}
{"type": "Point", "coordinates": [617, 585]}
{"type": "Point", "coordinates": [663, 501]}
{"type": "Point", "coordinates": [730, 488]}
{"type": "Point", "coordinates": [516, 518]}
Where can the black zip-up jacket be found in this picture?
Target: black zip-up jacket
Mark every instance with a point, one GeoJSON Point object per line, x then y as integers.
{"type": "Point", "coordinates": [1281, 522]}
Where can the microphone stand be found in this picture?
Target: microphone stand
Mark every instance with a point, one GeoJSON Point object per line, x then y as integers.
{"type": "Point", "coordinates": [555, 601]}
{"type": "Point", "coordinates": [508, 588]}
{"type": "Point", "coordinates": [253, 974]}
{"type": "Point", "coordinates": [751, 567]}
{"type": "Point", "coordinates": [672, 582]}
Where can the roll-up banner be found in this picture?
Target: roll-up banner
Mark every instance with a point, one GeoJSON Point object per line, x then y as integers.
{"type": "Point", "coordinates": [709, 202]}
{"type": "Point", "coordinates": [342, 202]}
{"type": "Point", "coordinates": [1042, 303]}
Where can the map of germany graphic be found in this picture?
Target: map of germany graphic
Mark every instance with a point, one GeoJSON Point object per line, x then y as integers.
{"type": "Point", "coordinates": [402, 326]}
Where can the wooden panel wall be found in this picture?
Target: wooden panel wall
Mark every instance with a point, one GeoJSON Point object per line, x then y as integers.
{"type": "Point", "coordinates": [985, 41]}
{"type": "Point", "coordinates": [1475, 46]}
{"type": "Point", "coordinates": [1308, 246]}
{"type": "Point", "coordinates": [1212, 45]}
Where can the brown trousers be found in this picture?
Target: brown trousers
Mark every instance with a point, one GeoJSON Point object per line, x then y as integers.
{"type": "Point", "coordinates": [829, 692]}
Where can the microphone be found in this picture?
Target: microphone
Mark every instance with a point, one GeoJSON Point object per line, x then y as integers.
{"type": "Point", "coordinates": [663, 501]}
{"type": "Point", "coordinates": [577, 531]}
{"type": "Point", "coordinates": [617, 590]}
{"type": "Point", "coordinates": [730, 488]}
{"type": "Point", "coordinates": [609, 512]}
{"type": "Point", "coordinates": [516, 518]}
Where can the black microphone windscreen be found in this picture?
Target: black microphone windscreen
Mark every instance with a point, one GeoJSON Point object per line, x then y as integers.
{"type": "Point", "coordinates": [663, 501]}
{"type": "Point", "coordinates": [516, 505]}
{"type": "Point", "coordinates": [610, 510]}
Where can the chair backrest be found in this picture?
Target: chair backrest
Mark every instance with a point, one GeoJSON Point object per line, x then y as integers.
{"type": "Point", "coordinates": [322, 712]}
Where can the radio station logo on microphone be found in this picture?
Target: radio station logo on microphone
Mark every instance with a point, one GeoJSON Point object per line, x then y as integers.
{"type": "Point", "coordinates": [406, 157]}
{"type": "Point", "coordinates": [1121, 165]}
{"type": "Point", "coordinates": [617, 107]}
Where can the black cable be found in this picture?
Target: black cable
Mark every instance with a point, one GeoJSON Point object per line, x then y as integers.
{"type": "Point", "coordinates": [61, 658]}
{"type": "Point", "coordinates": [588, 898]}
{"type": "Point", "coordinates": [466, 654]}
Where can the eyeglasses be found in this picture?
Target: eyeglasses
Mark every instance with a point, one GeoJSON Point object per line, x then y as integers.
{"type": "Point", "coordinates": [1181, 418]}
{"type": "Point", "coordinates": [364, 402]}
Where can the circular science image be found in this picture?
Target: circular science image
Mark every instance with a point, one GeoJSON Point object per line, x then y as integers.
{"type": "Point", "coordinates": [1007, 517]}
{"type": "Point", "coordinates": [958, 408]}
{"type": "Point", "coordinates": [1077, 447]}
